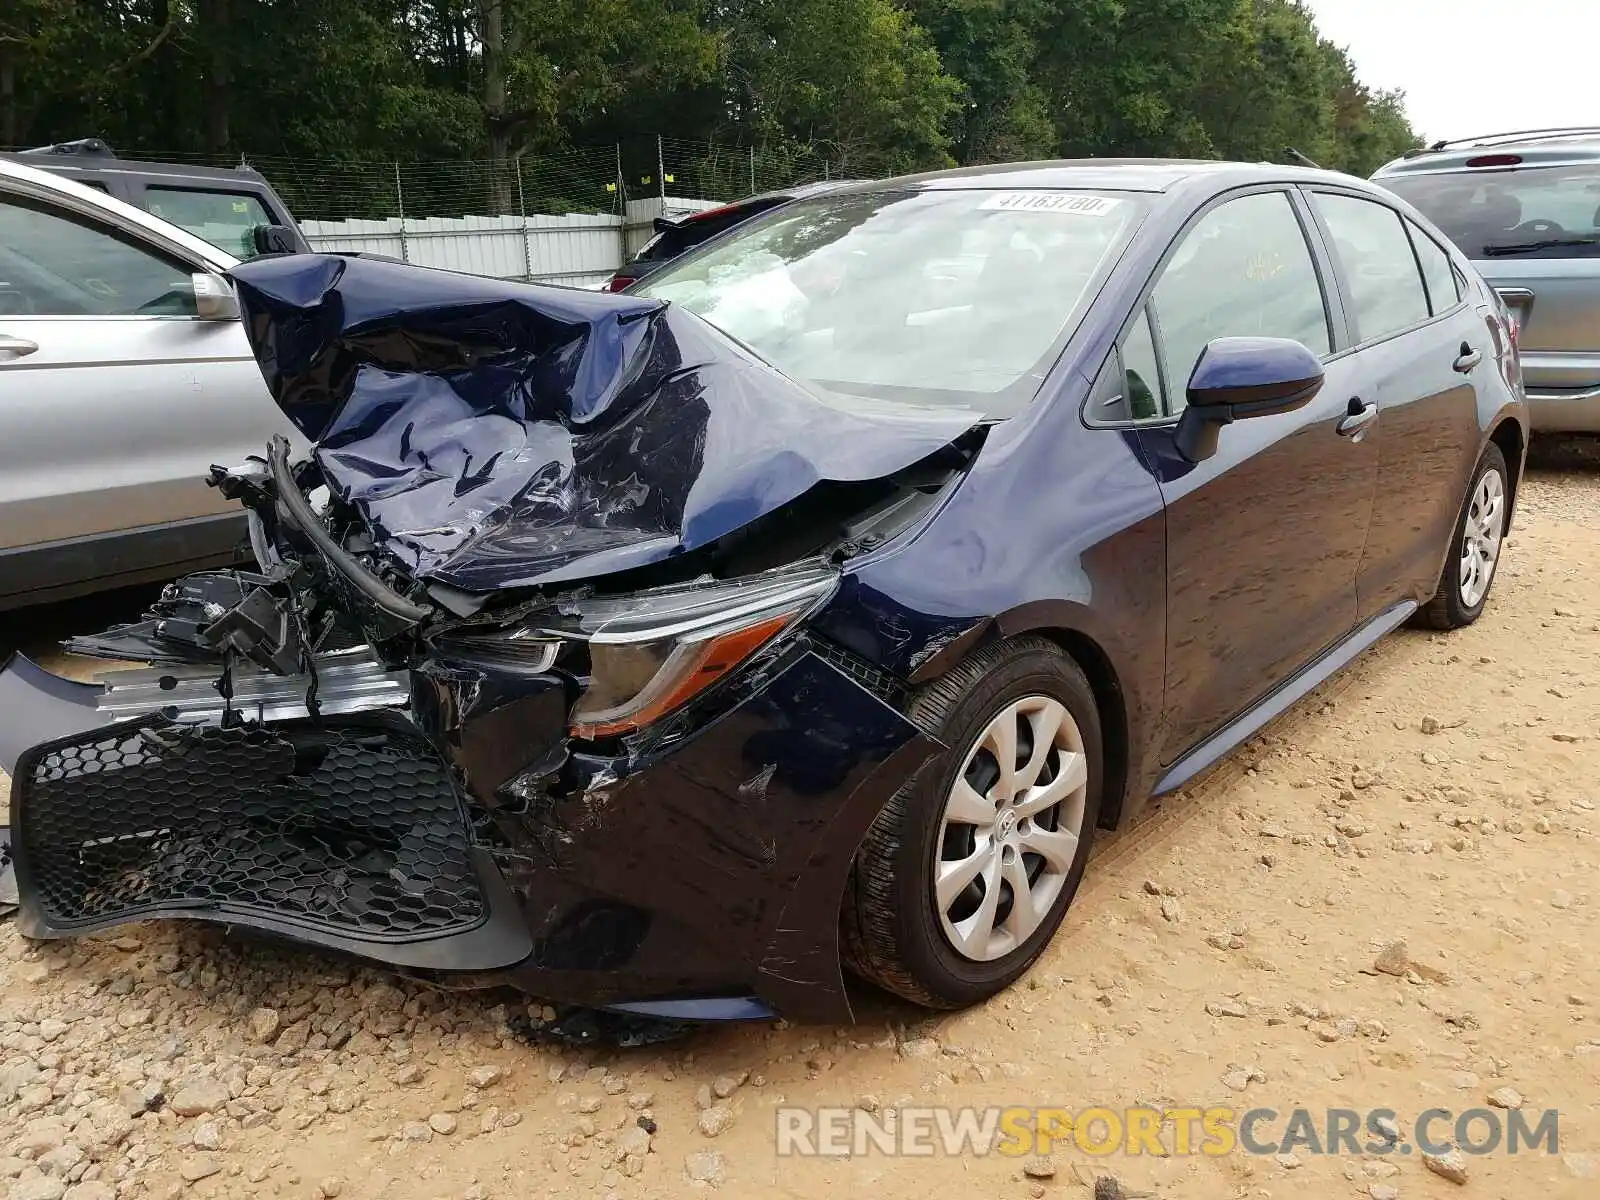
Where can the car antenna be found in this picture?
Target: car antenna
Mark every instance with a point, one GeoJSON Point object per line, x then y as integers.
{"type": "Point", "coordinates": [1302, 159]}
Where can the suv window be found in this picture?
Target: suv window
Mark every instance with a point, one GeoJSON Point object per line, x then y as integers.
{"type": "Point", "coordinates": [1485, 212]}
{"type": "Point", "coordinates": [1438, 272]}
{"type": "Point", "coordinates": [1243, 270]}
{"type": "Point", "coordinates": [53, 264]}
{"type": "Point", "coordinates": [225, 219]}
{"type": "Point", "coordinates": [1377, 262]}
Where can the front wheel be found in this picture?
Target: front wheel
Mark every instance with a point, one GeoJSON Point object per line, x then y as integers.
{"type": "Point", "coordinates": [968, 870]}
{"type": "Point", "coordinates": [1474, 550]}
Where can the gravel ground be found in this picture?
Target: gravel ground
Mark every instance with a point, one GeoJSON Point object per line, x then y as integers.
{"type": "Point", "coordinates": [1224, 951]}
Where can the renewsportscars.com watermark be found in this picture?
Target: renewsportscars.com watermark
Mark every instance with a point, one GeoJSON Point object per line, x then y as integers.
{"type": "Point", "coordinates": [1019, 1131]}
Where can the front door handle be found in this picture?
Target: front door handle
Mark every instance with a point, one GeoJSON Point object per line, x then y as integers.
{"type": "Point", "coordinates": [15, 347]}
{"type": "Point", "coordinates": [1468, 358]}
{"type": "Point", "coordinates": [1355, 422]}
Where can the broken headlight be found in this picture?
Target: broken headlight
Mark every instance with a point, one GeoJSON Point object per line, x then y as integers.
{"type": "Point", "coordinates": [652, 652]}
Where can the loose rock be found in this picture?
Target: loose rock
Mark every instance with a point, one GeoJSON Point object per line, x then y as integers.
{"type": "Point", "coordinates": [199, 1096]}
{"type": "Point", "coordinates": [264, 1025]}
{"type": "Point", "coordinates": [1393, 958]}
{"type": "Point", "coordinates": [715, 1120]}
{"type": "Point", "coordinates": [1451, 1165]}
{"type": "Point", "coordinates": [705, 1166]}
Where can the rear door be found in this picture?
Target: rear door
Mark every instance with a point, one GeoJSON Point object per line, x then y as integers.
{"type": "Point", "coordinates": [115, 399]}
{"type": "Point", "coordinates": [1264, 537]}
{"type": "Point", "coordinates": [1421, 348]}
{"type": "Point", "coordinates": [1532, 228]}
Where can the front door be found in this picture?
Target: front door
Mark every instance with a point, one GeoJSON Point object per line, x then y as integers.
{"type": "Point", "coordinates": [1264, 539]}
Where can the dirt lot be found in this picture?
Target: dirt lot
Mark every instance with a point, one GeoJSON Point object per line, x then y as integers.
{"type": "Point", "coordinates": [1221, 953]}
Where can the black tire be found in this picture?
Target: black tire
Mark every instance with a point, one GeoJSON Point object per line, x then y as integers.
{"type": "Point", "coordinates": [1446, 610]}
{"type": "Point", "coordinates": [890, 926]}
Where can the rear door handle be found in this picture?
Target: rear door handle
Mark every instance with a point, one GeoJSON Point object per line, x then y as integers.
{"type": "Point", "coordinates": [1355, 422]}
{"type": "Point", "coordinates": [1468, 358]}
{"type": "Point", "coordinates": [15, 347]}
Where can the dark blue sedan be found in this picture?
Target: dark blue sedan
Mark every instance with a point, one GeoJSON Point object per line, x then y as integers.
{"type": "Point", "coordinates": [808, 608]}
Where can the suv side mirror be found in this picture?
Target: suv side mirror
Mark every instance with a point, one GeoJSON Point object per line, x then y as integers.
{"type": "Point", "coordinates": [1241, 377]}
{"type": "Point", "coordinates": [213, 298]}
{"type": "Point", "coordinates": [274, 239]}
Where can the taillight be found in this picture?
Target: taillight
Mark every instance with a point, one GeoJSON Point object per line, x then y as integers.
{"type": "Point", "coordinates": [1494, 160]}
{"type": "Point", "coordinates": [618, 282]}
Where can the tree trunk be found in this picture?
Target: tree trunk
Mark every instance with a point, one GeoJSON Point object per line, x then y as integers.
{"type": "Point", "coordinates": [215, 21]}
{"type": "Point", "coordinates": [494, 105]}
{"type": "Point", "coordinates": [10, 119]}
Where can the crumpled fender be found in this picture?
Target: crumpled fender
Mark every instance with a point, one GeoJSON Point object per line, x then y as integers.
{"type": "Point", "coordinates": [495, 434]}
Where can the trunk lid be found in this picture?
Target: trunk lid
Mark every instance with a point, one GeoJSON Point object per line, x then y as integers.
{"type": "Point", "coordinates": [1557, 305]}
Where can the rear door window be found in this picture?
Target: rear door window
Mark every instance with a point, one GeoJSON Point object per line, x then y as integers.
{"type": "Point", "coordinates": [1377, 263]}
{"type": "Point", "coordinates": [1528, 212]}
{"type": "Point", "coordinates": [1438, 272]}
{"type": "Point", "coordinates": [225, 219]}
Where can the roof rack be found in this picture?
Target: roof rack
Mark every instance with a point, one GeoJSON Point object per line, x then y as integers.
{"type": "Point", "coordinates": [88, 147]}
{"type": "Point", "coordinates": [1508, 139]}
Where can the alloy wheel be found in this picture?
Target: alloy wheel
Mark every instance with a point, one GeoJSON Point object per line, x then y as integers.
{"type": "Point", "coordinates": [1011, 827]}
{"type": "Point", "coordinates": [1480, 540]}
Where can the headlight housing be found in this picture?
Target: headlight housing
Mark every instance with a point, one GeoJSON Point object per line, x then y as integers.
{"type": "Point", "coordinates": [652, 652]}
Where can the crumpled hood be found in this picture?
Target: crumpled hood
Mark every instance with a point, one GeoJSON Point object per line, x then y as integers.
{"type": "Point", "coordinates": [496, 434]}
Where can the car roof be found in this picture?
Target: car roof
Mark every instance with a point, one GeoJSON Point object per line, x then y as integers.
{"type": "Point", "coordinates": [127, 214]}
{"type": "Point", "coordinates": [93, 157]}
{"type": "Point", "coordinates": [1531, 148]}
{"type": "Point", "coordinates": [1111, 174]}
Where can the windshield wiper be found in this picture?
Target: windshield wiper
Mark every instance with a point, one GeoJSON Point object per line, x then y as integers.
{"type": "Point", "coordinates": [1525, 247]}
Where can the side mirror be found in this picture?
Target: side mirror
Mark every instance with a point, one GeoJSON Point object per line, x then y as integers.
{"type": "Point", "coordinates": [1241, 377]}
{"type": "Point", "coordinates": [213, 298]}
{"type": "Point", "coordinates": [274, 239]}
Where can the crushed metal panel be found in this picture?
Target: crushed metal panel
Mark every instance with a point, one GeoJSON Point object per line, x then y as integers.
{"type": "Point", "coordinates": [494, 434]}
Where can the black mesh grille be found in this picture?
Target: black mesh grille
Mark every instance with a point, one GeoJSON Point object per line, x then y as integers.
{"type": "Point", "coordinates": [353, 829]}
{"type": "Point", "coordinates": [880, 683]}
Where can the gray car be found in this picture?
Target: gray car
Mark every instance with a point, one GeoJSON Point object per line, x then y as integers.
{"type": "Point", "coordinates": [1525, 207]}
{"type": "Point", "coordinates": [124, 375]}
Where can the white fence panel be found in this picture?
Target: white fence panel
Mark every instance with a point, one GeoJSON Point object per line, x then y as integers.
{"type": "Point", "coordinates": [578, 249]}
{"type": "Point", "coordinates": [365, 237]}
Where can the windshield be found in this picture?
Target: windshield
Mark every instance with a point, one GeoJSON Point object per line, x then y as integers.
{"type": "Point", "coordinates": [1531, 212]}
{"type": "Point", "coordinates": [225, 219]}
{"type": "Point", "coordinates": [959, 298]}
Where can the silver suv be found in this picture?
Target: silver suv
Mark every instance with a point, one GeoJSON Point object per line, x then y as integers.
{"type": "Point", "coordinates": [124, 375]}
{"type": "Point", "coordinates": [1525, 207]}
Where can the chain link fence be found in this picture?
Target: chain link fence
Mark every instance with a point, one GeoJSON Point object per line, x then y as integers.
{"type": "Point", "coordinates": [571, 216]}
{"type": "Point", "coordinates": [583, 179]}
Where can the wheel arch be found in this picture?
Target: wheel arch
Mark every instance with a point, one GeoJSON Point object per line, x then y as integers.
{"type": "Point", "coordinates": [1512, 440]}
{"type": "Point", "coordinates": [1048, 621]}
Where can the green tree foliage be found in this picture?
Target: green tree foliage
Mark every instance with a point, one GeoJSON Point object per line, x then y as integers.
{"type": "Point", "coordinates": [869, 86]}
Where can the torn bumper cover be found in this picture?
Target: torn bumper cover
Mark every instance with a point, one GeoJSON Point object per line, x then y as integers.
{"type": "Point", "coordinates": [690, 882]}
{"type": "Point", "coordinates": [449, 799]}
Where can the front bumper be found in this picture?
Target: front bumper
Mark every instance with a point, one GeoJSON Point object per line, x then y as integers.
{"type": "Point", "coordinates": [703, 876]}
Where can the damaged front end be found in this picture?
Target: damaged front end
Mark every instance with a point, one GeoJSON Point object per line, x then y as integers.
{"type": "Point", "coordinates": [525, 687]}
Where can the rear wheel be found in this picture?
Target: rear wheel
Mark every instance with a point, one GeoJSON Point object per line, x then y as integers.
{"type": "Point", "coordinates": [1469, 568]}
{"type": "Point", "coordinates": [968, 870]}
